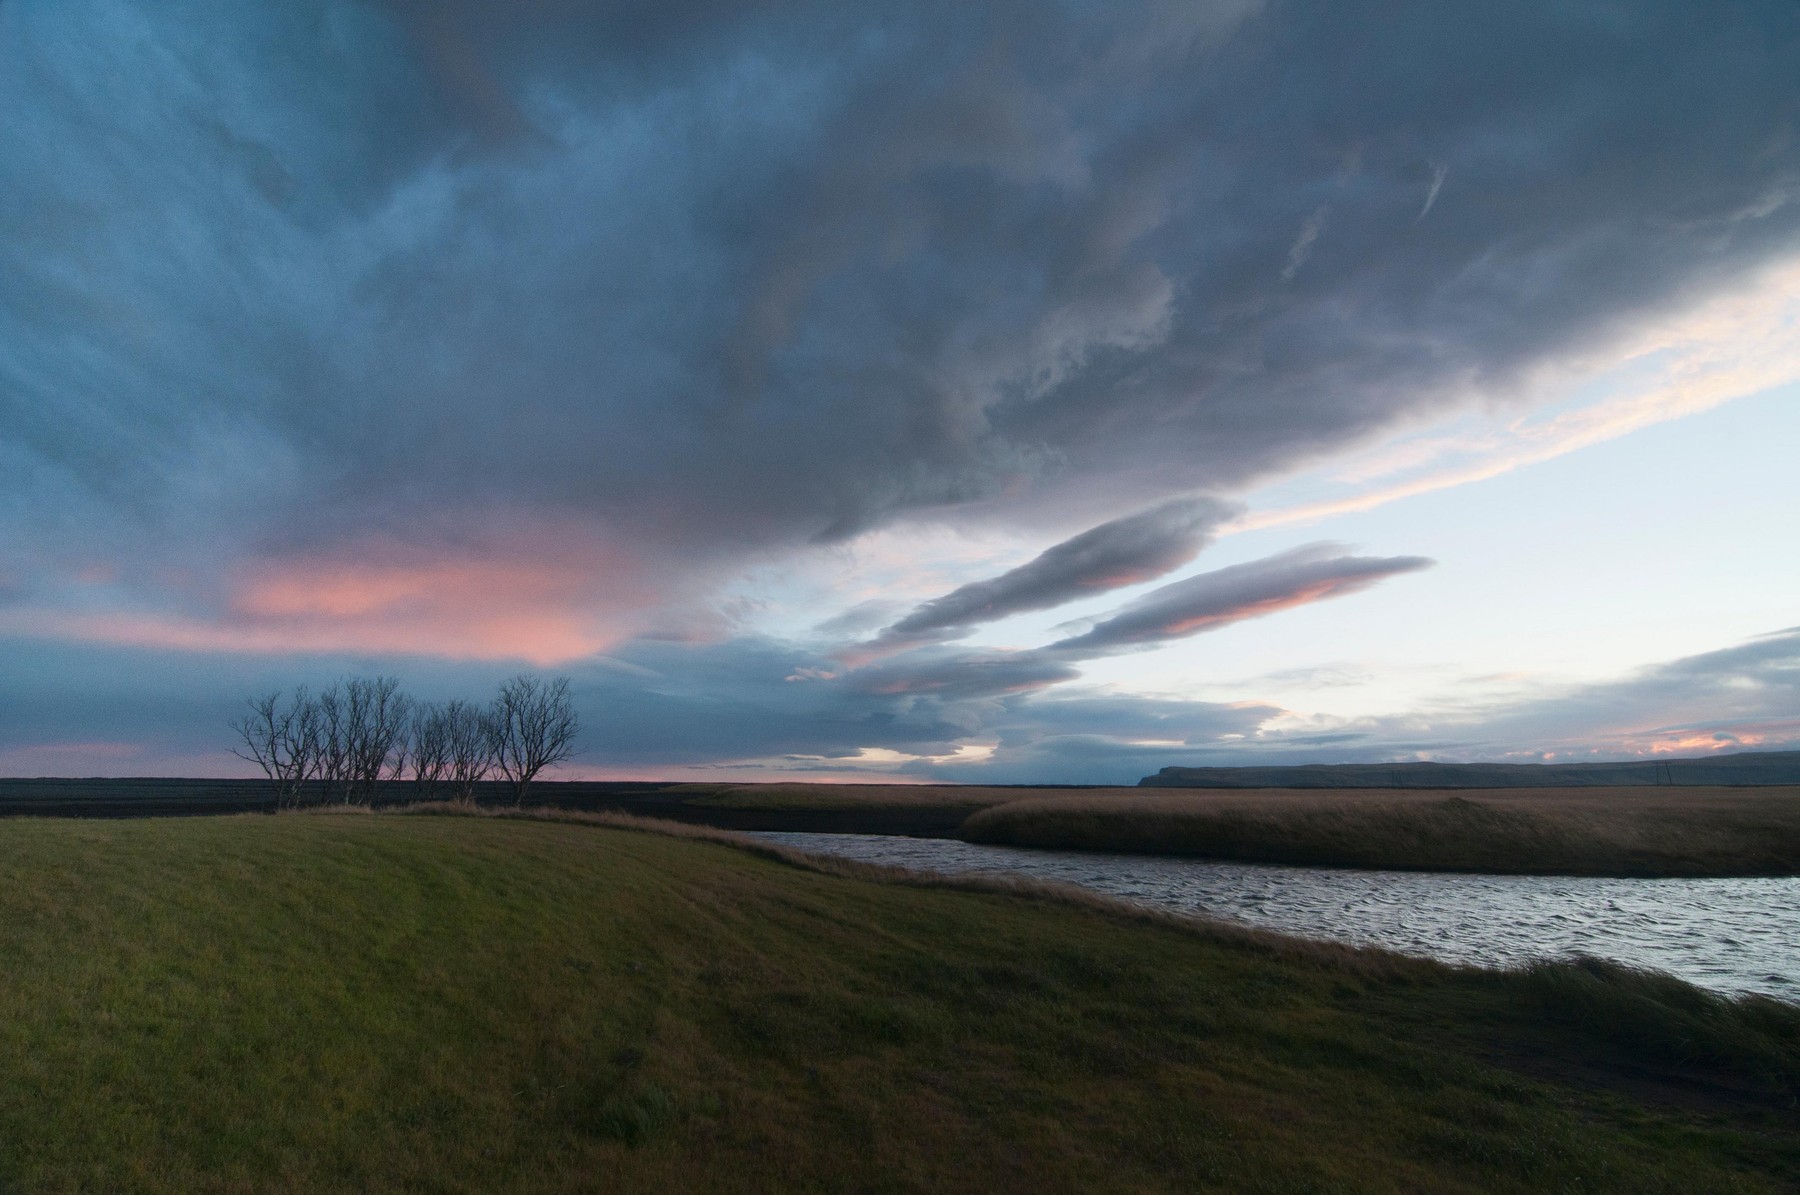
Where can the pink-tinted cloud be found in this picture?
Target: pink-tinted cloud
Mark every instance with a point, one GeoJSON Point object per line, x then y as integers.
{"type": "Point", "coordinates": [1228, 595]}
{"type": "Point", "coordinates": [1126, 551]}
{"type": "Point", "coordinates": [546, 604]}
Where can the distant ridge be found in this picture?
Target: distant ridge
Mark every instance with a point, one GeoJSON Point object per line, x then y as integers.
{"type": "Point", "coordinates": [1750, 767]}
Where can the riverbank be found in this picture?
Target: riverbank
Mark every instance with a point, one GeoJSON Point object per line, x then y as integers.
{"type": "Point", "coordinates": [1641, 832]}
{"type": "Point", "coordinates": [1631, 832]}
{"type": "Point", "coordinates": [382, 1002]}
{"type": "Point", "coordinates": [1728, 935]}
{"type": "Point", "coordinates": [927, 811]}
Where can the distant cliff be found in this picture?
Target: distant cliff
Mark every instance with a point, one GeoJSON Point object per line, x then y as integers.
{"type": "Point", "coordinates": [1750, 767]}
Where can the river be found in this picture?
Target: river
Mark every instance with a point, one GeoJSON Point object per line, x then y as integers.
{"type": "Point", "coordinates": [1731, 935]}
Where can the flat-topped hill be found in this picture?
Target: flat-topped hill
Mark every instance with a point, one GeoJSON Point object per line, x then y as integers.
{"type": "Point", "coordinates": [1749, 767]}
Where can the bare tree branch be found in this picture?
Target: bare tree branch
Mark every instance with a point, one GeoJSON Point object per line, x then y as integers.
{"type": "Point", "coordinates": [469, 742]}
{"type": "Point", "coordinates": [533, 726]}
{"type": "Point", "coordinates": [334, 743]}
{"type": "Point", "coordinates": [376, 717]}
{"type": "Point", "coordinates": [430, 742]}
{"type": "Point", "coordinates": [283, 740]}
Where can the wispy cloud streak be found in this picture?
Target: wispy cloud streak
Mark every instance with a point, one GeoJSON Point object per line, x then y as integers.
{"type": "Point", "coordinates": [1114, 555]}
{"type": "Point", "coordinates": [1731, 347]}
{"type": "Point", "coordinates": [1218, 599]}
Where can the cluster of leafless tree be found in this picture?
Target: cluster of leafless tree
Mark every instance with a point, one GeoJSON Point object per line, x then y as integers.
{"type": "Point", "coordinates": [342, 743]}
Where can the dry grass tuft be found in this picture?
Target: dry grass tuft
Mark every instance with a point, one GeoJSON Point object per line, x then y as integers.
{"type": "Point", "coordinates": [1658, 1018]}
{"type": "Point", "coordinates": [819, 798]}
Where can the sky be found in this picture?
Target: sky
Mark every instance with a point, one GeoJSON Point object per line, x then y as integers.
{"type": "Point", "coordinates": [1035, 392]}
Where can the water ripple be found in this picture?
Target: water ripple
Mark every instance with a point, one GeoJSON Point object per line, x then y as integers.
{"type": "Point", "coordinates": [1731, 935]}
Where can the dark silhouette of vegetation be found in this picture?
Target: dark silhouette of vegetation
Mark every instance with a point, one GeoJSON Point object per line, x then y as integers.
{"type": "Point", "coordinates": [377, 717]}
{"type": "Point", "coordinates": [533, 727]}
{"type": "Point", "coordinates": [469, 739]}
{"type": "Point", "coordinates": [281, 738]}
{"type": "Point", "coordinates": [430, 749]}
{"type": "Point", "coordinates": [347, 740]}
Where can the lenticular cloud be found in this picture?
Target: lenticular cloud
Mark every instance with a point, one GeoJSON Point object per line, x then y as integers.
{"type": "Point", "coordinates": [1224, 596]}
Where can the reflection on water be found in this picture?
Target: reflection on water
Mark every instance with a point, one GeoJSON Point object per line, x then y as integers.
{"type": "Point", "coordinates": [1731, 935]}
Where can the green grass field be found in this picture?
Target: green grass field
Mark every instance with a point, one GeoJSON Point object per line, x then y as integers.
{"type": "Point", "coordinates": [382, 1003]}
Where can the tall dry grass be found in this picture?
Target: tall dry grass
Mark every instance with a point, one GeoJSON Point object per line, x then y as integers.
{"type": "Point", "coordinates": [1612, 832]}
{"type": "Point", "coordinates": [847, 797]}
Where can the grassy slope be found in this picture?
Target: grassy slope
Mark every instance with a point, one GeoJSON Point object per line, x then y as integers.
{"type": "Point", "coordinates": [378, 1003]}
{"type": "Point", "coordinates": [1585, 831]}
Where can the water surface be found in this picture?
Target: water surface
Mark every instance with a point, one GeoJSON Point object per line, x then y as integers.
{"type": "Point", "coordinates": [1732, 935]}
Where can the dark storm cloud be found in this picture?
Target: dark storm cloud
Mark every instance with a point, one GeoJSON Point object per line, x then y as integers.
{"type": "Point", "coordinates": [1127, 551]}
{"type": "Point", "coordinates": [651, 290]}
{"type": "Point", "coordinates": [1219, 598]}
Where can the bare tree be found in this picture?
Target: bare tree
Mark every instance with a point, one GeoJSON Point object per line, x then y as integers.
{"type": "Point", "coordinates": [363, 730]}
{"type": "Point", "coordinates": [430, 749]}
{"type": "Point", "coordinates": [334, 742]}
{"type": "Point", "coordinates": [469, 746]}
{"type": "Point", "coordinates": [283, 740]}
{"type": "Point", "coordinates": [377, 714]}
{"type": "Point", "coordinates": [533, 726]}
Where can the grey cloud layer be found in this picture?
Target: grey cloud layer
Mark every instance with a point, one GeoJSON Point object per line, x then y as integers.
{"type": "Point", "coordinates": [700, 281]}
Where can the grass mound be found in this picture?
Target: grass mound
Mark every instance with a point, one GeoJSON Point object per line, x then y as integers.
{"type": "Point", "coordinates": [1618, 832]}
{"type": "Point", "coordinates": [383, 1003]}
{"type": "Point", "coordinates": [1660, 1021]}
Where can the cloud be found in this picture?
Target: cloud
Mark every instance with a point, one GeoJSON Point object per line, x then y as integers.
{"type": "Point", "coordinates": [1302, 247]}
{"type": "Point", "coordinates": [1726, 348]}
{"type": "Point", "coordinates": [1217, 599]}
{"type": "Point", "coordinates": [1127, 551]}
{"type": "Point", "coordinates": [1749, 692]}
{"type": "Point", "coordinates": [435, 336]}
{"type": "Point", "coordinates": [1205, 602]}
{"type": "Point", "coordinates": [964, 674]}
{"type": "Point", "coordinates": [863, 616]}
{"type": "Point", "coordinates": [726, 708]}
{"type": "Point", "coordinates": [664, 291]}
{"type": "Point", "coordinates": [1438, 174]}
